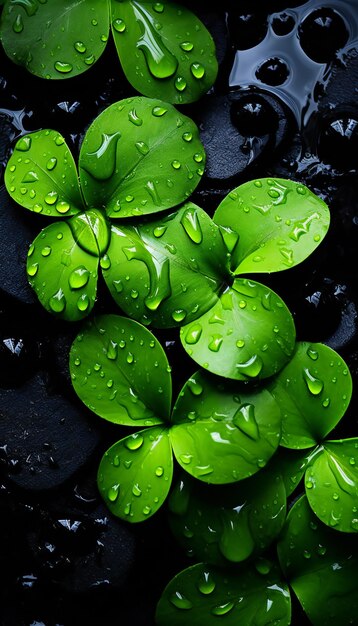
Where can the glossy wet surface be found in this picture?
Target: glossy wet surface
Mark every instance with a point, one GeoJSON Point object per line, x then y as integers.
{"type": "Point", "coordinates": [284, 105]}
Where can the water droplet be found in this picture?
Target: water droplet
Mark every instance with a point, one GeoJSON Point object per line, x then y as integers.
{"type": "Point", "coordinates": [24, 144]}
{"type": "Point", "coordinates": [187, 46]}
{"type": "Point", "coordinates": [160, 61]}
{"type": "Point", "coordinates": [176, 164]}
{"type": "Point", "coordinates": [63, 68]}
{"type": "Point", "coordinates": [206, 583]}
{"type": "Point", "coordinates": [326, 402]}
{"type": "Point", "coordinates": [57, 302]}
{"type": "Point", "coordinates": [180, 83]}
{"type": "Point", "coordinates": [313, 354]}
{"type": "Point", "coordinates": [193, 334]}
{"type": "Point", "coordinates": [240, 343]}
{"type": "Point", "coordinates": [62, 207]}
{"type": "Point", "coordinates": [113, 493]}
{"type": "Point", "coordinates": [136, 490]}
{"type": "Point", "coordinates": [186, 459]}
{"type": "Point", "coordinates": [314, 385]}
{"type": "Point", "coordinates": [352, 461]}
{"type": "Point", "coordinates": [80, 47]}
{"type": "Point", "coordinates": [263, 566]}
{"type": "Point", "coordinates": [119, 26]}
{"type": "Point", "coordinates": [46, 251]}
{"type": "Point", "coordinates": [306, 554]}
{"type": "Point", "coordinates": [90, 59]}
{"type": "Point", "coordinates": [187, 137]}
{"type": "Point", "coordinates": [105, 262]}
{"type": "Point", "coordinates": [130, 358]}
{"type": "Point", "coordinates": [79, 277]}
{"type": "Point", "coordinates": [245, 420]}
{"type": "Point", "coordinates": [33, 269]}
{"type": "Point", "coordinates": [159, 231]}
{"type": "Point", "coordinates": [116, 461]}
{"type": "Point", "coordinates": [197, 70]}
{"type": "Point", "coordinates": [159, 471]}
{"type": "Point", "coordinates": [18, 25]}
{"type": "Point", "coordinates": [215, 343]}
{"type": "Point", "coordinates": [190, 223]}
{"type": "Point", "coordinates": [134, 442]}
{"type": "Point", "coordinates": [159, 111]}
{"type": "Point", "coordinates": [158, 7]}
{"type": "Point", "coordinates": [321, 550]}
{"type": "Point", "coordinates": [133, 117]}
{"type": "Point", "coordinates": [252, 367]}
{"type": "Point", "coordinates": [112, 350]}
{"type": "Point", "coordinates": [142, 147]}
{"type": "Point", "coordinates": [83, 302]}
{"type": "Point", "coordinates": [309, 484]}
{"type": "Point", "coordinates": [77, 361]}
{"type": "Point", "coordinates": [179, 315]}
{"type": "Point", "coordinates": [146, 510]}
{"type": "Point", "coordinates": [180, 601]}
{"type": "Point", "coordinates": [51, 198]}
{"type": "Point", "coordinates": [223, 609]}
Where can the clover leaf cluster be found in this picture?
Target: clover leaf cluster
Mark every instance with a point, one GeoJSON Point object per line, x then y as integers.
{"type": "Point", "coordinates": [254, 419]}
{"type": "Point", "coordinates": [164, 49]}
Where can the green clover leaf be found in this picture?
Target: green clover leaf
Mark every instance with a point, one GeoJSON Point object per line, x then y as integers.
{"type": "Point", "coordinates": [321, 567]}
{"type": "Point", "coordinates": [219, 432]}
{"type": "Point", "coordinates": [313, 391]}
{"type": "Point", "coordinates": [163, 47]}
{"type": "Point", "coordinates": [199, 595]}
{"type": "Point", "coordinates": [42, 177]}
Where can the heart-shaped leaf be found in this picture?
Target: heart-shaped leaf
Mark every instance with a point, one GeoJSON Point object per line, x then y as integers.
{"type": "Point", "coordinates": [167, 271]}
{"type": "Point", "coordinates": [221, 524]}
{"type": "Point", "coordinates": [321, 566]}
{"type": "Point", "coordinates": [313, 391]}
{"type": "Point", "coordinates": [221, 433]}
{"type": "Point", "coordinates": [55, 39]}
{"type": "Point", "coordinates": [203, 595]}
{"type": "Point", "coordinates": [164, 49]}
{"type": "Point", "coordinates": [120, 371]}
{"type": "Point", "coordinates": [63, 275]}
{"type": "Point", "coordinates": [249, 333]}
{"type": "Point", "coordinates": [332, 484]}
{"type": "Point", "coordinates": [140, 156]}
{"type": "Point", "coordinates": [271, 224]}
{"type": "Point", "coordinates": [135, 474]}
{"type": "Point", "coordinates": [41, 175]}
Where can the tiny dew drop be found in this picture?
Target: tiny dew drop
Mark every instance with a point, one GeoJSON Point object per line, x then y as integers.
{"type": "Point", "coordinates": [24, 144]}
{"type": "Point", "coordinates": [178, 315]}
{"type": "Point", "coordinates": [206, 584]}
{"type": "Point", "coordinates": [134, 442]}
{"type": "Point", "coordinates": [62, 67]}
{"type": "Point", "coordinates": [147, 510]}
{"type": "Point", "coordinates": [159, 471]}
{"type": "Point", "coordinates": [18, 25]}
{"type": "Point", "coordinates": [62, 207]}
{"type": "Point", "coordinates": [326, 402]}
{"type": "Point", "coordinates": [176, 164]}
{"type": "Point", "coordinates": [180, 83]}
{"type": "Point", "coordinates": [222, 609]}
{"type": "Point", "coordinates": [313, 354]}
{"type": "Point", "coordinates": [33, 269]}
{"type": "Point", "coordinates": [113, 493]}
{"type": "Point", "coordinates": [158, 7]}
{"type": "Point", "coordinates": [51, 198]}
{"type": "Point", "coordinates": [159, 231]}
{"type": "Point", "coordinates": [46, 251]}
{"type": "Point", "coordinates": [180, 601]}
{"type": "Point", "coordinates": [105, 262]}
{"type": "Point", "coordinates": [130, 358]}
{"type": "Point", "coordinates": [112, 350]}
{"type": "Point", "coordinates": [187, 137]}
{"type": "Point", "coordinates": [197, 70]}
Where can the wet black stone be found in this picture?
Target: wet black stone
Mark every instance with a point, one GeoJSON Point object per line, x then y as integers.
{"type": "Point", "coordinates": [16, 234]}
{"type": "Point", "coordinates": [273, 72]}
{"type": "Point", "coordinates": [230, 153]}
{"type": "Point", "coordinates": [41, 435]}
{"type": "Point", "coordinates": [253, 116]}
{"type": "Point", "coordinates": [322, 33]}
{"type": "Point", "coordinates": [247, 29]}
{"type": "Point", "coordinates": [283, 23]}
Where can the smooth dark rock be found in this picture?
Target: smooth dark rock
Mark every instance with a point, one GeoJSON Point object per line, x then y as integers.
{"type": "Point", "coordinates": [44, 438]}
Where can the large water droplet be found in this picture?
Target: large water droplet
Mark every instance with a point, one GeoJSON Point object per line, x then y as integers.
{"type": "Point", "coordinates": [160, 61]}
{"type": "Point", "coordinates": [57, 302]}
{"type": "Point", "coordinates": [245, 420]}
{"type": "Point", "coordinates": [134, 442]}
{"type": "Point", "coordinates": [215, 343]}
{"type": "Point", "coordinates": [180, 83]}
{"type": "Point", "coordinates": [190, 223]}
{"type": "Point", "coordinates": [18, 25]}
{"type": "Point", "coordinates": [113, 493]}
{"type": "Point", "coordinates": [119, 25]}
{"type": "Point", "coordinates": [252, 367]}
{"type": "Point", "coordinates": [136, 490]}
{"type": "Point", "coordinates": [206, 583]}
{"type": "Point", "coordinates": [197, 70]}
{"type": "Point", "coordinates": [79, 277]}
{"type": "Point", "coordinates": [63, 67]}
{"type": "Point", "coordinates": [314, 385]}
{"type": "Point", "coordinates": [102, 162]}
{"type": "Point", "coordinates": [193, 334]}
